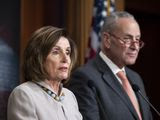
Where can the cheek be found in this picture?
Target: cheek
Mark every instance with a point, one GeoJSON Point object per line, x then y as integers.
{"type": "Point", "coordinates": [120, 51]}
{"type": "Point", "coordinates": [69, 61]}
{"type": "Point", "coordinates": [51, 66]}
{"type": "Point", "coordinates": [121, 54]}
{"type": "Point", "coordinates": [124, 55]}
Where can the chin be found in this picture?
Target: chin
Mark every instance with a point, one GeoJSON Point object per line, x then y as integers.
{"type": "Point", "coordinates": [63, 77]}
{"type": "Point", "coordinates": [131, 62]}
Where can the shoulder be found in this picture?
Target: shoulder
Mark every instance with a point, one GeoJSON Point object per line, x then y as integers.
{"type": "Point", "coordinates": [68, 92]}
{"type": "Point", "coordinates": [20, 95]}
{"type": "Point", "coordinates": [25, 87]}
{"type": "Point", "coordinates": [69, 95]}
{"type": "Point", "coordinates": [132, 73]}
{"type": "Point", "coordinates": [90, 68]}
{"type": "Point", "coordinates": [135, 78]}
{"type": "Point", "coordinates": [21, 101]}
{"type": "Point", "coordinates": [24, 91]}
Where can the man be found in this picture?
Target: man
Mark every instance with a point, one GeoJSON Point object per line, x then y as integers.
{"type": "Point", "coordinates": [101, 93]}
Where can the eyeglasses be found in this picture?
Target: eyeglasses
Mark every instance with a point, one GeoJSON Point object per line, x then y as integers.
{"type": "Point", "coordinates": [129, 41]}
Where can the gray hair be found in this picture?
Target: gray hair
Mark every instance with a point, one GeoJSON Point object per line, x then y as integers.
{"type": "Point", "coordinates": [110, 21]}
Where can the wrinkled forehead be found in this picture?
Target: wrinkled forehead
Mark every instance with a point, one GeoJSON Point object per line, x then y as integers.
{"type": "Point", "coordinates": [63, 42]}
{"type": "Point", "coordinates": [127, 25]}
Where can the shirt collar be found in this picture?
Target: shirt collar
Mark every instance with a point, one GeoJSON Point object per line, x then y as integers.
{"type": "Point", "coordinates": [114, 68]}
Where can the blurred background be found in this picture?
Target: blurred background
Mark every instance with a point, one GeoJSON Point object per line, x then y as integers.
{"type": "Point", "coordinates": [19, 18]}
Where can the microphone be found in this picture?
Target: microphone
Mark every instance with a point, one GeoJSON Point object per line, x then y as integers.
{"type": "Point", "coordinates": [137, 89]}
{"type": "Point", "coordinates": [92, 86]}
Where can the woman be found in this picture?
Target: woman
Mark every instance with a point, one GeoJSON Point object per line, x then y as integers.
{"type": "Point", "coordinates": [48, 60]}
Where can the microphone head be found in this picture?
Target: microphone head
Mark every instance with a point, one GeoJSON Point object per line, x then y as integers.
{"type": "Point", "coordinates": [135, 88]}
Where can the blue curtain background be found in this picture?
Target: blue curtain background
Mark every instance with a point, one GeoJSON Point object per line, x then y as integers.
{"type": "Point", "coordinates": [9, 51]}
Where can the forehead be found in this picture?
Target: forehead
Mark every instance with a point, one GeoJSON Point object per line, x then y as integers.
{"type": "Point", "coordinates": [127, 25]}
{"type": "Point", "coordinates": [63, 42]}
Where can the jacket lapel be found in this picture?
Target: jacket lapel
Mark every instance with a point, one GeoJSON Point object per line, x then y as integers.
{"type": "Point", "coordinates": [112, 81]}
{"type": "Point", "coordinates": [141, 102]}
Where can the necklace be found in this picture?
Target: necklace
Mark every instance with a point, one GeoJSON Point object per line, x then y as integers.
{"type": "Point", "coordinates": [52, 94]}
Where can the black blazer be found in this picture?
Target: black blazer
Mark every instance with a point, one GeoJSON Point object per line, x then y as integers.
{"type": "Point", "coordinates": [101, 97]}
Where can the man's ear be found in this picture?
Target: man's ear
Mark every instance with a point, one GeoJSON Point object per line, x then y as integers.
{"type": "Point", "coordinates": [106, 39]}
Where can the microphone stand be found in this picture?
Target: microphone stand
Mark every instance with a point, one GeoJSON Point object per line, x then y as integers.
{"type": "Point", "coordinates": [137, 89]}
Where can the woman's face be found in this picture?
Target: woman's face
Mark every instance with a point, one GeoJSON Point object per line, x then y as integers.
{"type": "Point", "coordinates": [58, 61]}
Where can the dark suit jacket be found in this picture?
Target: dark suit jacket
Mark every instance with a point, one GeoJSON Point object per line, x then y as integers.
{"type": "Point", "coordinates": [100, 95]}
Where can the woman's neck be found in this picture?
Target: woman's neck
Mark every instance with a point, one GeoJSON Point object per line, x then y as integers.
{"type": "Point", "coordinates": [55, 85]}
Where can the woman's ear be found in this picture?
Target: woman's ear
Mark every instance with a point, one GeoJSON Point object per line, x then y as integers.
{"type": "Point", "coordinates": [106, 40]}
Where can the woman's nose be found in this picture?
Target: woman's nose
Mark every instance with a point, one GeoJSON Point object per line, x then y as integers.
{"type": "Point", "coordinates": [64, 57]}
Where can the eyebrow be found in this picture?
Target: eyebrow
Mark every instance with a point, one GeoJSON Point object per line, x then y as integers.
{"type": "Point", "coordinates": [60, 47]}
{"type": "Point", "coordinates": [129, 35]}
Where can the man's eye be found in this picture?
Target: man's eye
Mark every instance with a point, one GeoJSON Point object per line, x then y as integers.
{"type": "Point", "coordinates": [128, 40]}
{"type": "Point", "coordinates": [138, 39]}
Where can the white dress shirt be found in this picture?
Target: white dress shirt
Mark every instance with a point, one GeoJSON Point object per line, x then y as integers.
{"type": "Point", "coordinates": [30, 102]}
{"type": "Point", "coordinates": [114, 68]}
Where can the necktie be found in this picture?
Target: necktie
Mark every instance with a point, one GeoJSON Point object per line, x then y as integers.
{"type": "Point", "coordinates": [127, 87]}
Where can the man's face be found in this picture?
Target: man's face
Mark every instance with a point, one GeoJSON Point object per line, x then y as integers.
{"type": "Point", "coordinates": [121, 53]}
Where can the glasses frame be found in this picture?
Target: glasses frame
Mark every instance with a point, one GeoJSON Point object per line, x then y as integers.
{"type": "Point", "coordinates": [139, 42]}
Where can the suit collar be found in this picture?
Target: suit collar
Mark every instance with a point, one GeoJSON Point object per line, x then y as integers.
{"type": "Point", "coordinates": [141, 102]}
{"type": "Point", "coordinates": [101, 65]}
{"type": "Point", "coordinates": [116, 86]}
{"type": "Point", "coordinates": [112, 81]}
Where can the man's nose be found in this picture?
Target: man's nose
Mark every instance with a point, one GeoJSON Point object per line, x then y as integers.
{"type": "Point", "coordinates": [135, 44]}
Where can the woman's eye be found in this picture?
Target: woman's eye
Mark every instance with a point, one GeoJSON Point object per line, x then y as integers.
{"type": "Point", "coordinates": [55, 52]}
{"type": "Point", "coordinates": [68, 52]}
